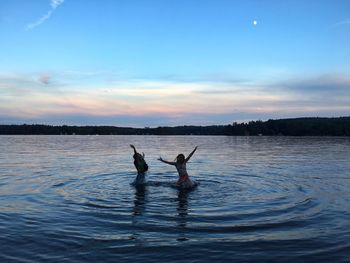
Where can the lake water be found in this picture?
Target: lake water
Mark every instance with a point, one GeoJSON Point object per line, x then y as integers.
{"type": "Point", "coordinates": [266, 199]}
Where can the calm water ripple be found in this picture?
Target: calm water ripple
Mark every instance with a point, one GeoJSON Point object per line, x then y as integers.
{"type": "Point", "coordinates": [70, 198]}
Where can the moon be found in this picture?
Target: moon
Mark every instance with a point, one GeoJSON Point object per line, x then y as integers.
{"type": "Point", "coordinates": [255, 22]}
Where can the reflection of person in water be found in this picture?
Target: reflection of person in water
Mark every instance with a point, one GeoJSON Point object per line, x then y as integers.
{"type": "Point", "coordinates": [182, 206]}
{"type": "Point", "coordinates": [180, 164]}
{"type": "Point", "coordinates": [140, 165]}
{"type": "Point", "coordinates": [182, 211]}
{"type": "Point", "coordinates": [139, 200]}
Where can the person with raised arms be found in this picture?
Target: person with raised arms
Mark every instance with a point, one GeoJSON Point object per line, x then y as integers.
{"type": "Point", "coordinates": [180, 164]}
{"type": "Point", "coordinates": [140, 165]}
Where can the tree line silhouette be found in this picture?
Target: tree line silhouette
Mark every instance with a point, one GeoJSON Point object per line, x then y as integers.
{"type": "Point", "coordinates": [283, 127]}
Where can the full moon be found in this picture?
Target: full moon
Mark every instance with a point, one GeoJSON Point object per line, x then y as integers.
{"type": "Point", "coordinates": [255, 22]}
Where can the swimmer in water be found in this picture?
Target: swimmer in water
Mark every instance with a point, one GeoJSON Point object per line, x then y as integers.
{"type": "Point", "coordinates": [140, 165]}
{"type": "Point", "coordinates": [180, 164]}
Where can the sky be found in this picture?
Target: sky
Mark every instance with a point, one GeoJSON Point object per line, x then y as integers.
{"type": "Point", "coordinates": [152, 63]}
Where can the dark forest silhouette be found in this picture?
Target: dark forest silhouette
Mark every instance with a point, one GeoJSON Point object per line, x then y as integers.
{"type": "Point", "coordinates": [288, 127]}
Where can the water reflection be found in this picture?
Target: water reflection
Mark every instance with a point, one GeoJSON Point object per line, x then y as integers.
{"type": "Point", "coordinates": [139, 208]}
{"type": "Point", "coordinates": [140, 200]}
{"type": "Point", "coordinates": [182, 210]}
{"type": "Point", "coordinates": [259, 195]}
{"type": "Point", "coordinates": [182, 207]}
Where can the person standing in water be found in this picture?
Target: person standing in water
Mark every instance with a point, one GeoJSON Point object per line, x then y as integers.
{"type": "Point", "coordinates": [180, 164]}
{"type": "Point", "coordinates": [140, 165]}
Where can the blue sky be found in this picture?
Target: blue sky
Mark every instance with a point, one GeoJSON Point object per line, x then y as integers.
{"type": "Point", "coordinates": [149, 63]}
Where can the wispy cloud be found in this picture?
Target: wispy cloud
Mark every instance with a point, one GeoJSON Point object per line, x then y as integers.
{"type": "Point", "coordinates": [45, 78]}
{"type": "Point", "coordinates": [54, 4]}
{"type": "Point", "coordinates": [330, 86]}
{"type": "Point", "coordinates": [342, 23]}
{"type": "Point", "coordinates": [48, 94]}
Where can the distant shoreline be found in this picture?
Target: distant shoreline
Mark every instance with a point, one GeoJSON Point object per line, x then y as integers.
{"type": "Point", "coordinates": [339, 126]}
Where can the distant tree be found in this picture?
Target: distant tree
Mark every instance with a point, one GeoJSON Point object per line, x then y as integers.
{"type": "Point", "coordinates": [289, 127]}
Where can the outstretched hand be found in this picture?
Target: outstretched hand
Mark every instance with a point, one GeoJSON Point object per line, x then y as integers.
{"type": "Point", "coordinates": [132, 146]}
{"type": "Point", "coordinates": [190, 155]}
{"type": "Point", "coordinates": [160, 159]}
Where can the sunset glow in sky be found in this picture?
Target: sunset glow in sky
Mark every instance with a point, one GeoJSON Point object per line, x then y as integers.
{"type": "Point", "coordinates": [156, 62]}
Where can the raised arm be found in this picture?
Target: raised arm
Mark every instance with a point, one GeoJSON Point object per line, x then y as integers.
{"type": "Point", "coordinates": [171, 163]}
{"type": "Point", "coordinates": [190, 155]}
{"type": "Point", "coordinates": [132, 146]}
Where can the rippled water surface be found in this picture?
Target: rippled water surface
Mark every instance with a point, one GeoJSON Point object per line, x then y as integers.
{"type": "Point", "coordinates": [69, 198]}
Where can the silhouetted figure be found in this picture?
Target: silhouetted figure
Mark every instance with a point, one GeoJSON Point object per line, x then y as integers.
{"type": "Point", "coordinates": [180, 164]}
{"type": "Point", "coordinates": [140, 165]}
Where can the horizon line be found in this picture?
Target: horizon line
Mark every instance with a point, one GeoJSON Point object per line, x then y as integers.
{"type": "Point", "coordinates": [185, 125]}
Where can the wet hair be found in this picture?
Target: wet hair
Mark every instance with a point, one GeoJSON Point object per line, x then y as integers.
{"type": "Point", "coordinates": [180, 158]}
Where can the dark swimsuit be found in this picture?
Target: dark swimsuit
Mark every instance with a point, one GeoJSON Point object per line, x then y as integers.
{"type": "Point", "coordinates": [140, 163]}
